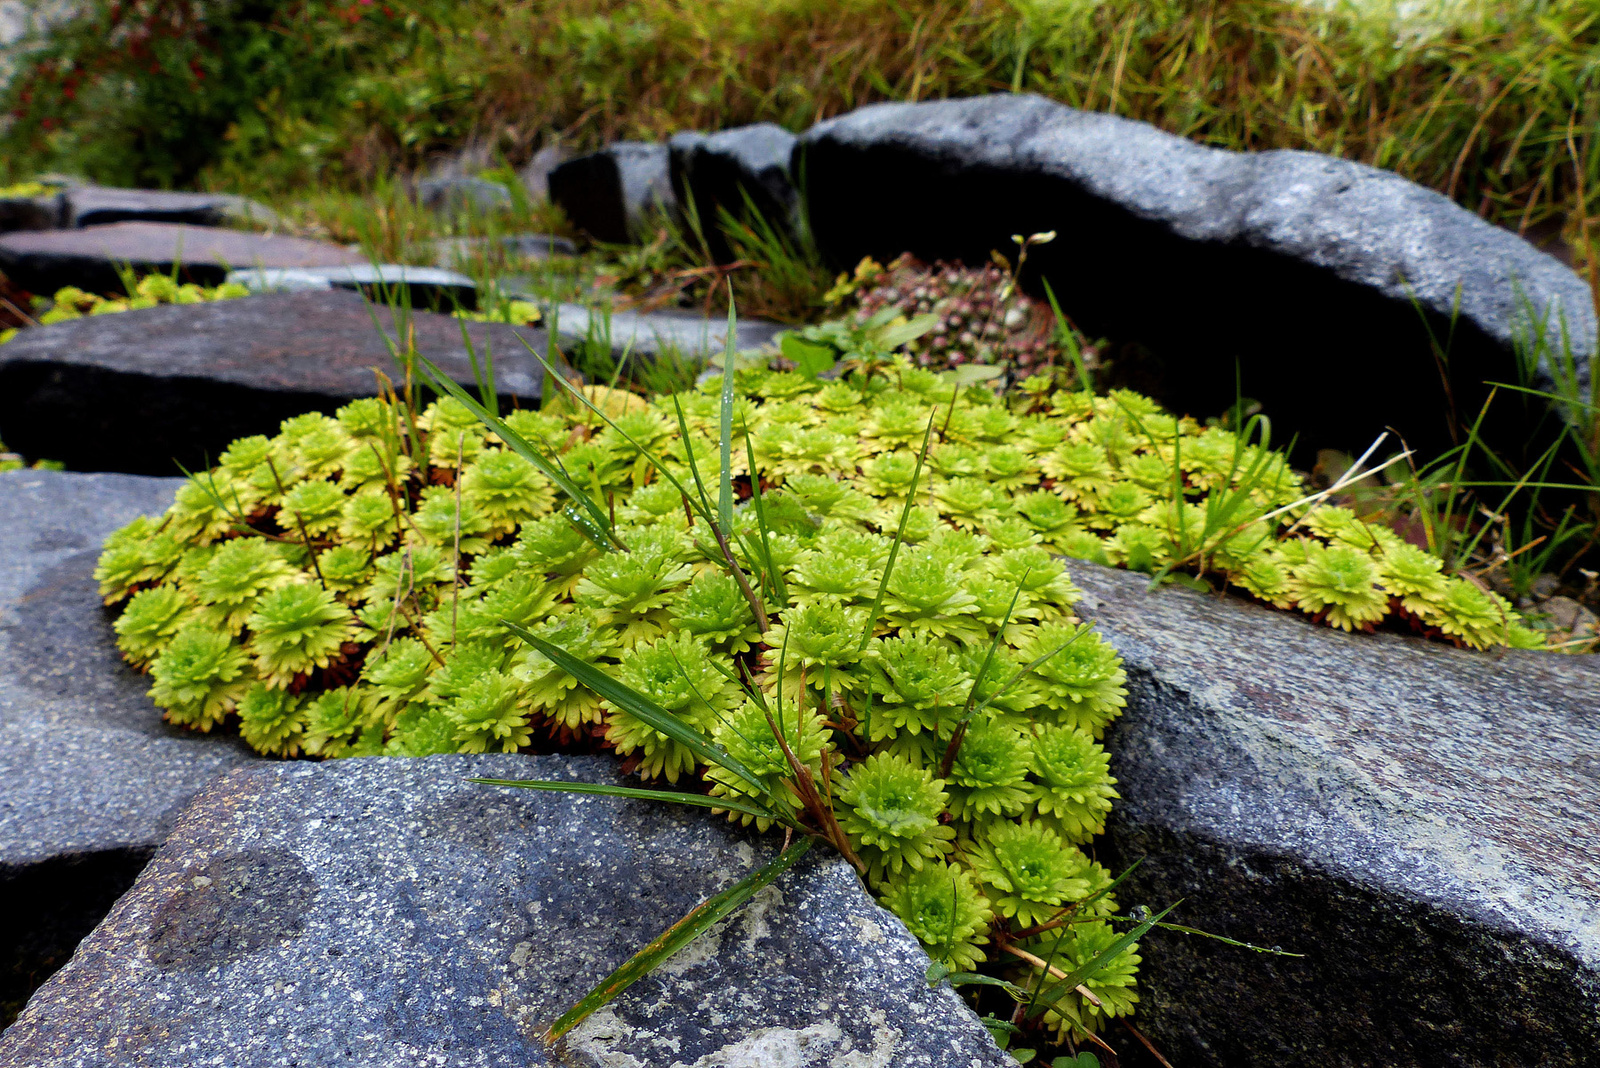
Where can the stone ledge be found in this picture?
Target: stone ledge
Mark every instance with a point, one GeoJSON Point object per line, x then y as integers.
{"type": "Point", "coordinates": [385, 912]}
{"type": "Point", "coordinates": [1418, 820]}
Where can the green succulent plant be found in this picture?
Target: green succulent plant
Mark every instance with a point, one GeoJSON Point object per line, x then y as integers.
{"type": "Point", "coordinates": [869, 618]}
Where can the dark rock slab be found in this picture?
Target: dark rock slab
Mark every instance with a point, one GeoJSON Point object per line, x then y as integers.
{"type": "Point", "coordinates": [1422, 822]}
{"type": "Point", "coordinates": [137, 390]}
{"type": "Point", "coordinates": [418, 287]}
{"type": "Point", "coordinates": [610, 194]}
{"type": "Point", "coordinates": [682, 332]}
{"type": "Point", "coordinates": [91, 780]}
{"type": "Point", "coordinates": [97, 205]}
{"type": "Point", "coordinates": [455, 194]}
{"type": "Point", "coordinates": [44, 262]}
{"type": "Point", "coordinates": [385, 912]}
{"type": "Point", "coordinates": [737, 170]}
{"type": "Point", "coordinates": [30, 213]}
{"type": "Point", "coordinates": [1301, 266]}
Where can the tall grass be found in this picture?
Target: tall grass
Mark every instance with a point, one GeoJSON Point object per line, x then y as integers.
{"type": "Point", "coordinates": [1497, 105]}
{"type": "Point", "coordinates": [1498, 108]}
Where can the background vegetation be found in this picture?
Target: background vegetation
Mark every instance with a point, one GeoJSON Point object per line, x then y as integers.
{"type": "Point", "coordinates": [1494, 102]}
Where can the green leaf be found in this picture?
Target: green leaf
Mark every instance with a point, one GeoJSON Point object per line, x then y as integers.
{"type": "Point", "coordinates": [655, 461]}
{"type": "Point", "coordinates": [970, 374]}
{"type": "Point", "coordinates": [638, 706]}
{"type": "Point", "coordinates": [774, 574]}
{"type": "Point", "coordinates": [899, 534]}
{"type": "Point", "coordinates": [725, 490]}
{"type": "Point", "coordinates": [674, 938]}
{"type": "Point", "coordinates": [1274, 950]}
{"type": "Point", "coordinates": [1084, 1059]}
{"type": "Point", "coordinates": [1023, 671]}
{"type": "Point", "coordinates": [673, 796]}
{"type": "Point", "coordinates": [809, 358]}
{"type": "Point", "coordinates": [977, 979]}
{"type": "Point", "coordinates": [892, 337]}
{"type": "Point", "coordinates": [597, 516]}
{"type": "Point", "coordinates": [1049, 995]}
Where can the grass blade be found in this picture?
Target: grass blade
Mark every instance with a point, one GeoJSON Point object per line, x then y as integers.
{"type": "Point", "coordinates": [1047, 996]}
{"type": "Point", "coordinates": [638, 706]}
{"type": "Point", "coordinates": [444, 386]}
{"type": "Point", "coordinates": [899, 534]}
{"type": "Point", "coordinates": [674, 796]}
{"type": "Point", "coordinates": [725, 490]}
{"type": "Point", "coordinates": [674, 938]}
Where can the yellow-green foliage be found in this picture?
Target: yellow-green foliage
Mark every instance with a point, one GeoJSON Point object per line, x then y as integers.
{"type": "Point", "coordinates": [346, 588]}
{"type": "Point", "coordinates": [73, 303]}
{"type": "Point", "coordinates": [151, 290]}
{"type": "Point", "coordinates": [23, 191]}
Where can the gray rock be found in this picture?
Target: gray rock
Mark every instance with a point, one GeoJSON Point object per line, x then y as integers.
{"type": "Point", "coordinates": [472, 158]}
{"type": "Point", "coordinates": [1419, 821]}
{"type": "Point", "coordinates": [91, 780]}
{"type": "Point", "coordinates": [139, 390]}
{"type": "Point", "coordinates": [685, 333]}
{"type": "Point", "coordinates": [611, 194]}
{"type": "Point", "coordinates": [721, 170]}
{"type": "Point", "coordinates": [384, 912]}
{"type": "Point", "coordinates": [458, 195]}
{"type": "Point", "coordinates": [1301, 267]}
{"type": "Point", "coordinates": [452, 252]}
{"type": "Point", "coordinates": [535, 174]}
{"type": "Point", "coordinates": [96, 205]}
{"type": "Point", "coordinates": [31, 213]}
{"type": "Point", "coordinates": [425, 287]}
{"type": "Point", "coordinates": [89, 258]}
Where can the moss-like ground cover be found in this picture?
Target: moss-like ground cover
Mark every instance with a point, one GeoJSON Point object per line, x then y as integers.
{"type": "Point", "coordinates": [362, 584]}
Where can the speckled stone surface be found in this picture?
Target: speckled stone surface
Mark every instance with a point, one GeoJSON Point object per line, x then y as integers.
{"type": "Point", "coordinates": [1298, 268]}
{"type": "Point", "coordinates": [137, 390]}
{"type": "Point", "coordinates": [385, 912]}
{"type": "Point", "coordinates": [86, 764]}
{"type": "Point", "coordinates": [1422, 822]}
{"type": "Point", "coordinates": [91, 780]}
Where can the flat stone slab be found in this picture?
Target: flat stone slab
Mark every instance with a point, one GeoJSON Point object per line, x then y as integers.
{"type": "Point", "coordinates": [91, 780]}
{"type": "Point", "coordinates": [449, 252]}
{"type": "Point", "coordinates": [137, 390]}
{"type": "Point", "coordinates": [1422, 822]}
{"type": "Point", "coordinates": [1306, 270]}
{"type": "Point", "coordinates": [97, 205]}
{"type": "Point", "coordinates": [654, 333]}
{"type": "Point", "coordinates": [44, 261]}
{"type": "Point", "coordinates": [421, 287]}
{"type": "Point", "coordinates": [384, 912]}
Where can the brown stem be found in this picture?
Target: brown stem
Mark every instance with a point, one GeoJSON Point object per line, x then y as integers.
{"type": "Point", "coordinates": [1088, 995]}
{"type": "Point", "coordinates": [805, 788]}
{"type": "Point", "coordinates": [455, 562]}
{"type": "Point", "coordinates": [750, 595]}
{"type": "Point", "coordinates": [953, 748]}
{"type": "Point", "coordinates": [1134, 1031]}
{"type": "Point", "coordinates": [302, 524]}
